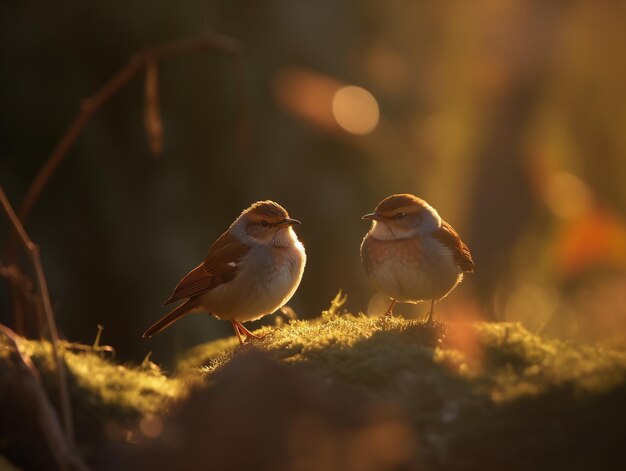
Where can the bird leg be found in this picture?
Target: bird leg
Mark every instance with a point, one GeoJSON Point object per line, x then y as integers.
{"type": "Point", "coordinates": [429, 321]}
{"type": "Point", "coordinates": [389, 312]}
{"type": "Point", "coordinates": [246, 332]}
{"type": "Point", "coordinates": [236, 327]}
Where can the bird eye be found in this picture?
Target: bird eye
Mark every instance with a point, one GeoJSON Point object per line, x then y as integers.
{"type": "Point", "coordinates": [398, 216]}
{"type": "Point", "coordinates": [264, 223]}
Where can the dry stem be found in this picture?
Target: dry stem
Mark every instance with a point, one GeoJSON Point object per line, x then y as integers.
{"type": "Point", "coordinates": [92, 104]}
{"type": "Point", "coordinates": [42, 288]}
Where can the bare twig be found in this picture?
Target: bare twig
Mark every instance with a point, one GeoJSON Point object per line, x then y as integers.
{"type": "Point", "coordinates": [23, 361]}
{"type": "Point", "coordinates": [95, 348]}
{"type": "Point", "coordinates": [42, 288]}
{"type": "Point", "coordinates": [152, 110]}
{"type": "Point", "coordinates": [96, 342]}
{"type": "Point", "coordinates": [92, 104]}
{"type": "Point", "coordinates": [100, 349]}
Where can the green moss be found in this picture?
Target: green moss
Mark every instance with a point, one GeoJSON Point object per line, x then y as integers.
{"type": "Point", "coordinates": [102, 392]}
{"type": "Point", "coordinates": [501, 361]}
{"type": "Point", "coordinates": [519, 363]}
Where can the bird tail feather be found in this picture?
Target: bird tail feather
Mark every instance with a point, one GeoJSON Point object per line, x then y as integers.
{"type": "Point", "coordinates": [169, 318]}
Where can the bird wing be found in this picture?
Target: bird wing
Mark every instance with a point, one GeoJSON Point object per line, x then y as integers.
{"type": "Point", "coordinates": [220, 266]}
{"type": "Point", "coordinates": [451, 240]}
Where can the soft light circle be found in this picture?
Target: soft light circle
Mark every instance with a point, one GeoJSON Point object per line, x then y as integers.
{"type": "Point", "coordinates": [355, 110]}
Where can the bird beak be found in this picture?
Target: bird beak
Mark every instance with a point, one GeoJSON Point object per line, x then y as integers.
{"type": "Point", "coordinates": [289, 222]}
{"type": "Point", "coordinates": [371, 216]}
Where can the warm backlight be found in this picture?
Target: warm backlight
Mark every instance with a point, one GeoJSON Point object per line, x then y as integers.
{"type": "Point", "coordinates": [355, 109]}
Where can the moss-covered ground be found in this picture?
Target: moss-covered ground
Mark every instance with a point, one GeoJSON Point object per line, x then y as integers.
{"type": "Point", "coordinates": [474, 395]}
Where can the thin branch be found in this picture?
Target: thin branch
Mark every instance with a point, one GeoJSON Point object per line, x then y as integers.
{"type": "Point", "coordinates": [92, 104]}
{"type": "Point", "coordinates": [100, 349]}
{"type": "Point", "coordinates": [152, 110]}
{"type": "Point", "coordinates": [22, 360]}
{"type": "Point", "coordinates": [42, 288]}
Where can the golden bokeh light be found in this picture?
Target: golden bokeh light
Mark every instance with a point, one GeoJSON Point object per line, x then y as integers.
{"type": "Point", "coordinates": [567, 196]}
{"type": "Point", "coordinates": [151, 426]}
{"type": "Point", "coordinates": [532, 304]}
{"type": "Point", "coordinates": [355, 110]}
{"type": "Point", "coordinates": [306, 94]}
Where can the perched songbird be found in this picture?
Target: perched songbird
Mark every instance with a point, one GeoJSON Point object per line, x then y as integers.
{"type": "Point", "coordinates": [253, 269]}
{"type": "Point", "coordinates": [411, 254]}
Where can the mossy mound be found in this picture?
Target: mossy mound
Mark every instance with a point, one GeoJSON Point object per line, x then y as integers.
{"type": "Point", "coordinates": [107, 399]}
{"type": "Point", "coordinates": [104, 392]}
{"type": "Point", "coordinates": [467, 396]}
{"type": "Point", "coordinates": [476, 395]}
{"type": "Point", "coordinates": [500, 360]}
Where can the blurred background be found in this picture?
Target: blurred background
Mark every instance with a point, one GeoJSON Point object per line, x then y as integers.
{"type": "Point", "coordinates": [507, 116]}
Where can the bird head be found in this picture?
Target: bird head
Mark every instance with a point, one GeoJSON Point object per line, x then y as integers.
{"type": "Point", "coordinates": [266, 223]}
{"type": "Point", "coordinates": [402, 216]}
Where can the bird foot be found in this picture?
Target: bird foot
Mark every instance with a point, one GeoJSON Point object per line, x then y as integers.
{"type": "Point", "coordinates": [242, 332]}
{"type": "Point", "coordinates": [429, 319]}
{"type": "Point", "coordinates": [250, 337]}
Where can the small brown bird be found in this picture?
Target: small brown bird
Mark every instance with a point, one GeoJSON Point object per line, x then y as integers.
{"type": "Point", "coordinates": [251, 270]}
{"type": "Point", "coordinates": [411, 254]}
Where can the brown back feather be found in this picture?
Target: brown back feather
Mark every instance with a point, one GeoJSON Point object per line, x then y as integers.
{"type": "Point", "coordinates": [450, 239]}
{"type": "Point", "coordinates": [220, 266]}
